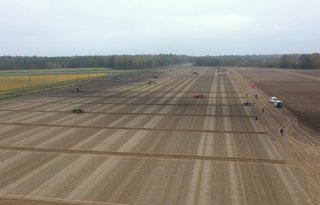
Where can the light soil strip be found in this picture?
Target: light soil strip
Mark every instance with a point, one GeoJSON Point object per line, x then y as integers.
{"type": "Point", "coordinates": [19, 117]}
{"type": "Point", "coordinates": [87, 188]}
{"type": "Point", "coordinates": [288, 180]}
{"type": "Point", "coordinates": [6, 129]}
{"type": "Point", "coordinates": [185, 85]}
{"type": "Point", "coordinates": [146, 90]}
{"type": "Point", "coordinates": [209, 123]}
{"type": "Point", "coordinates": [104, 169]}
{"type": "Point", "coordinates": [237, 196]}
{"type": "Point", "coordinates": [135, 128]}
{"type": "Point", "coordinates": [20, 200]}
{"type": "Point", "coordinates": [132, 142]}
{"type": "Point", "coordinates": [52, 141]}
{"type": "Point", "coordinates": [125, 117]}
{"type": "Point", "coordinates": [58, 181]}
{"type": "Point", "coordinates": [127, 103]}
{"type": "Point", "coordinates": [187, 179]}
{"type": "Point", "coordinates": [179, 96]}
{"type": "Point", "coordinates": [110, 140]}
{"type": "Point", "coordinates": [92, 120]}
{"type": "Point", "coordinates": [192, 197]}
{"type": "Point", "coordinates": [77, 120]}
{"type": "Point", "coordinates": [116, 108]}
{"type": "Point", "coordinates": [203, 187]}
{"type": "Point", "coordinates": [89, 140]}
{"type": "Point", "coordinates": [269, 147]}
{"type": "Point", "coordinates": [32, 175]}
{"type": "Point", "coordinates": [298, 74]}
{"type": "Point", "coordinates": [21, 139]}
{"type": "Point", "coordinates": [66, 118]}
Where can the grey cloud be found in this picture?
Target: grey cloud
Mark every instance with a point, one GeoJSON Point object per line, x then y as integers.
{"type": "Point", "coordinates": [209, 27]}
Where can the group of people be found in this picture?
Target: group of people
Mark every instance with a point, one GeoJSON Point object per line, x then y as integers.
{"type": "Point", "coordinates": [255, 96]}
{"type": "Point", "coordinates": [262, 110]}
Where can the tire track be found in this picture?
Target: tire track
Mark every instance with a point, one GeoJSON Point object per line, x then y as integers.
{"type": "Point", "coordinates": [117, 103]}
{"type": "Point", "coordinates": [134, 128]}
{"type": "Point", "coordinates": [146, 155]}
{"type": "Point", "coordinates": [20, 200]}
{"type": "Point", "coordinates": [157, 91]}
{"type": "Point", "coordinates": [131, 113]}
{"type": "Point", "coordinates": [78, 96]}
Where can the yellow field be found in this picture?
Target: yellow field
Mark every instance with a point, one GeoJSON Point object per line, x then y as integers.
{"type": "Point", "coordinates": [23, 81]}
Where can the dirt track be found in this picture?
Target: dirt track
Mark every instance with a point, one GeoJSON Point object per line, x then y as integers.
{"type": "Point", "coordinates": [145, 144]}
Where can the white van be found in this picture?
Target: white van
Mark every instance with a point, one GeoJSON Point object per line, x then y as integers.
{"type": "Point", "coordinates": [273, 99]}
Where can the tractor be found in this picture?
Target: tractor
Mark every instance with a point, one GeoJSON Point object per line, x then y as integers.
{"type": "Point", "coordinates": [247, 103]}
{"type": "Point", "coordinates": [198, 96]}
{"type": "Point", "coordinates": [77, 90]}
{"type": "Point", "coordinates": [116, 79]}
{"type": "Point", "coordinates": [156, 75]}
{"type": "Point", "coordinates": [151, 82]}
{"type": "Point", "coordinates": [77, 110]}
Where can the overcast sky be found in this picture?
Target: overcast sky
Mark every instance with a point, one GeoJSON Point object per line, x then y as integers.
{"type": "Point", "coordinates": [198, 27]}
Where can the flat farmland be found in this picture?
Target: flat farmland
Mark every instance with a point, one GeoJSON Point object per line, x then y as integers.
{"type": "Point", "coordinates": [312, 72]}
{"type": "Point", "coordinates": [13, 80]}
{"type": "Point", "coordinates": [144, 144]}
{"type": "Point", "coordinates": [299, 89]}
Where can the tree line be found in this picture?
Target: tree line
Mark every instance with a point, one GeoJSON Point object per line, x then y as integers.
{"type": "Point", "coordinates": [305, 61]}
{"type": "Point", "coordinates": [300, 61]}
{"type": "Point", "coordinates": [115, 61]}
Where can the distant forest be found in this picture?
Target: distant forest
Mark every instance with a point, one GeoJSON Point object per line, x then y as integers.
{"type": "Point", "coordinates": [115, 62]}
{"type": "Point", "coordinates": [305, 61]}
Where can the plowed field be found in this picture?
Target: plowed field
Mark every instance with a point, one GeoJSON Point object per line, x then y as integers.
{"type": "Point", "coordinates": [152, 144]}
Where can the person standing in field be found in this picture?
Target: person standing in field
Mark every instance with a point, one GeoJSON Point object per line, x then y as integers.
{"type": "Point", "coordinates": [281, 131]}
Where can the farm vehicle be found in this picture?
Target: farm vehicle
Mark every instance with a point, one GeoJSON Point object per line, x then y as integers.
{"type": "Point", "coordinates": [198, 96]}
{"type": "Point", "coordinates": [77, 110]}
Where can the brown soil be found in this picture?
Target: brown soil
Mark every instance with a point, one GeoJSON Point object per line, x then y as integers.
{"type": "Point", "coordinates": [299, 90]}
{"type": "Point", "coordinates": [155, 144]}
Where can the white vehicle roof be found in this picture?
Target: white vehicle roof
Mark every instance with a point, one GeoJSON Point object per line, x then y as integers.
{"type": "Point", "coordinates": [273, 98]}
{"type": "Point", "coordinates": [278, 101]}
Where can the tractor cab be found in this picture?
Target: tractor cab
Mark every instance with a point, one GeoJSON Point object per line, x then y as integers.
{"type": "Point", "coordinates": [278, 104]}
